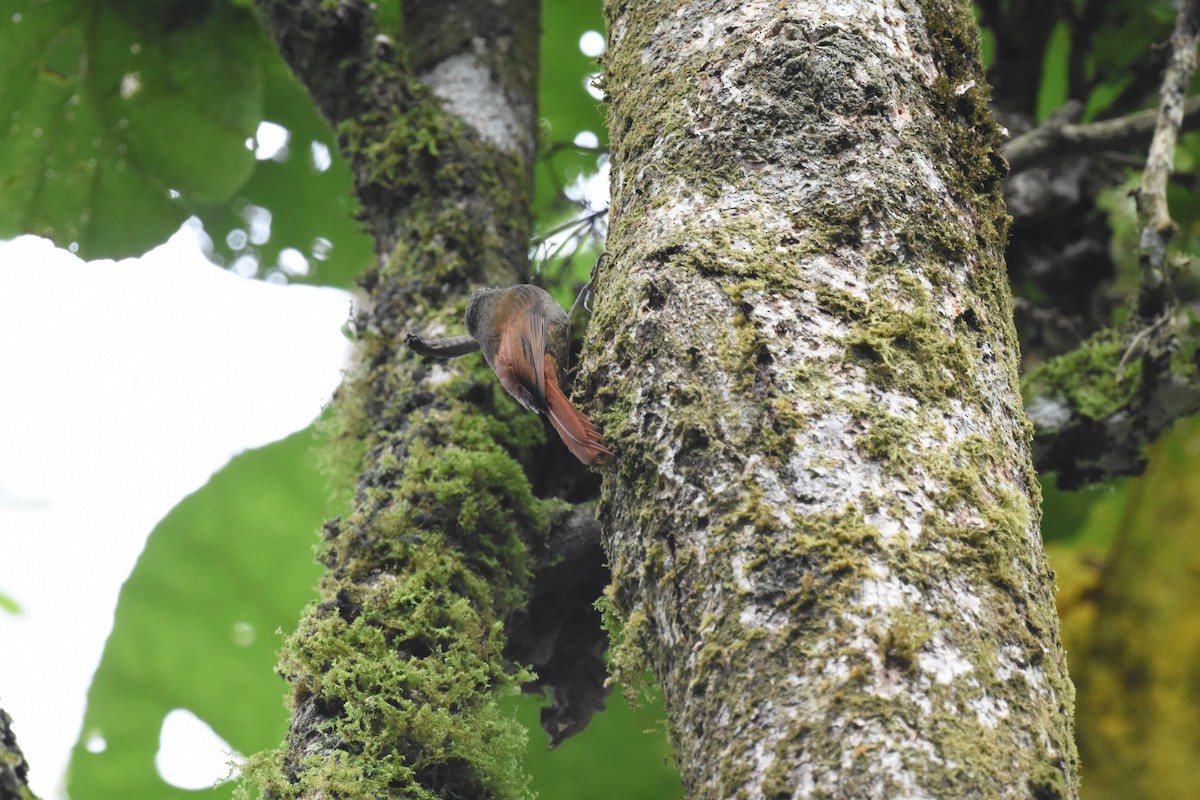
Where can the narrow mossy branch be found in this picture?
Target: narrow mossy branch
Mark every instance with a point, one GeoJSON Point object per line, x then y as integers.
{"type": "Point", "coordinates": [396, 668]}
{"type": "Point", "coordinates": [1095, 408]}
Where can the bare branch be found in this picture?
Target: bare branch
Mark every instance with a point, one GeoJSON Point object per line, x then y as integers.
{"type": "Point", "coordinates": [1059, 138]}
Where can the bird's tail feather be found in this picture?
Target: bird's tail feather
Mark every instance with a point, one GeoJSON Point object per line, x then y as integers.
{"type": "Point", "coordinates": [578, 433]}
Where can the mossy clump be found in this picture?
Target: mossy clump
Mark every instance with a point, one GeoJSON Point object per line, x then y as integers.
{"type": "Point", "coordinates": [403, 653]}
{"type": "Point", "coordinates": [627, 644]}
{"type": "Point", "coordinates": [1095, 378]}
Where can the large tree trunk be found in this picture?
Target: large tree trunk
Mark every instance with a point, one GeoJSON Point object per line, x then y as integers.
{"type": "Point", "coordinates": [824, 524]}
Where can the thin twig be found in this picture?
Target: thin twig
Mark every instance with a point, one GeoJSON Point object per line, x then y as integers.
{"type": "Point", "coordinates": [1156, 296]}
{"type": "Point", "coordinates": [557, 147]}
{"type": "Point", "coordinates": [577, 222]}
{"type": "Point", "coordinates": [1134, 346]}
{"type": "Point", "coordinates": [587, 287]}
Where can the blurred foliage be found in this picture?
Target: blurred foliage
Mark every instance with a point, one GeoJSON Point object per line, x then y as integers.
{"type": "Point", "coordinates": [570, 228]}
{"type": "Point", "coordinates": [9, 605]}
{"type": "Point", "coordinates": [622, 753]}
{"type": "Point", "coordinates": [565, 106]}
{"type": "Point", "coordinates": [1053, 87]}
{"type": "Point", "coordinates": [1129, 598]}
{"type": "Point", "coordinates": [127, 117]}
{"type": "Point", "coordinates": [117, 122]}
{"type": "Point", "coordinates": [1104, 53]}
{"type": "Point", "coordinates": [306, 192]}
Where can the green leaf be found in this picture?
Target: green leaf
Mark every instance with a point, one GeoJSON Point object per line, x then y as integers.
{"type": "Point", "coordinates": [1052, 92]}
{"type": "Point", "coordinates": [1103, 96]}
{"type": "Point", "coordinates": [1086, 517]}
{"type": "Point", "coordinates": [312, 210]}
{"type": "Point", "coordinates": [197, 621]}
{"type": "Point", "coordinates": [122, 116]}
{"type": "Point", "coordinates": [10, 605]}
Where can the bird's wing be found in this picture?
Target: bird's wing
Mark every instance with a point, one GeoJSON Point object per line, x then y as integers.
{"type": "Point", "coordinates": [521, 354]}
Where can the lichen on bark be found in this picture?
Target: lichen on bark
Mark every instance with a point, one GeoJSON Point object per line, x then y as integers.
{"type": "Point", "coordinates": [824, 521]}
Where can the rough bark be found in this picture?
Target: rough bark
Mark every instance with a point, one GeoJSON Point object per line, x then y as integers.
{"type": "Point", "coordinates": [395, 668]}
{"type": "Point", "coordinates": [824, 522]}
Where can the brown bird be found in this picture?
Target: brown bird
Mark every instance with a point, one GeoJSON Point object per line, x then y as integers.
{"type": "Point", "coordinates": [525, 335]}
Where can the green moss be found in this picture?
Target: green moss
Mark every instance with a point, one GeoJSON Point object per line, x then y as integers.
{"type": "Point", "coordinates": [889, 438]}
{"type": "Point", "coordinates": [1186, 358]}
{"type": "Point", "coordinates": [406, 642]}
{"type": "Point", "coordinates": [963, 94]}
{"type": "Point", "coordinates": [1091, 378]}
{"type": "Point", "coordinates": [403, 654]}
{"type": "Point", "coordinates": [628, 638]}
{"type": "Point", "coordinates": [905, 637]}
{"type": "Point", "coordinates": [906, 346]}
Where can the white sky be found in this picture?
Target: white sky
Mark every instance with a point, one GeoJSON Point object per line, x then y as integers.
{"type": "Point", "coordinates": [123, 387]}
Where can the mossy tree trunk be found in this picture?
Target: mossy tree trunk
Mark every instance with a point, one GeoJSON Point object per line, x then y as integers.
{"type": "Point", "coordinates": [395, 669]}
{"type": "Point", "coordinates": [823, 522]}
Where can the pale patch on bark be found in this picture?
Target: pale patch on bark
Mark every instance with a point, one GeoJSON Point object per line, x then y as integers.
{"type": "Point", "coordinates": [466, 87]}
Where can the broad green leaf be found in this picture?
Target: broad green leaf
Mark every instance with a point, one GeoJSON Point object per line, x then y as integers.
{"type": "Point", "coordinates": [120, 117]}
{"type": "Point", "coordinates": [197, 621]}
{"type": "Point", "coordinates": [1103, 96]}
{"type": "Point", "coordinates": [125, 118]}
{"type": "Point", "coordinates": [1120, 40]}
{"type": "Point", "coordinates": [312, 206]}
